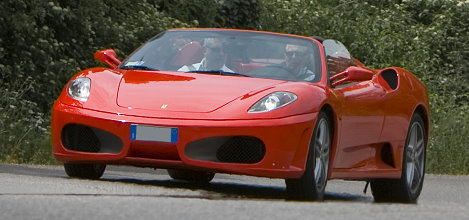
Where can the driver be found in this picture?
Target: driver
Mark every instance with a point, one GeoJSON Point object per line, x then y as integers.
{"type": "Point", "coordinates": [214, 58]}
{"type": "Point", "coordinates": [297, 59]}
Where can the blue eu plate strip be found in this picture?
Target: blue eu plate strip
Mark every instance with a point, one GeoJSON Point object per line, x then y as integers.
{"type": "Point", "coordinates": [133, 132]}
{"type": "Point", "coordinates": [174, 135]}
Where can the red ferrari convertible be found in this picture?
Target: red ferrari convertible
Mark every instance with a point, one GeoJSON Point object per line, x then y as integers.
{"type": "Point", "coordinates": [203, 101]}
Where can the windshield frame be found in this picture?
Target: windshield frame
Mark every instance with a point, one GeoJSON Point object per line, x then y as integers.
{"type": "Point", "coordinates": [313, 47]}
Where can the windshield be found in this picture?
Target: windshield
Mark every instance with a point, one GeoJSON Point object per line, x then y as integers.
{"type": "Point", "coordinates": [243, 53]}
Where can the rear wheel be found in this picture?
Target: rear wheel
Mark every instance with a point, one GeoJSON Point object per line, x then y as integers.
{"type": "Point", "coordinates": [85, 171]}
{"type": "Point", "coordinates": [191, 176]}
{"type": "Point", "coordinates": [312, 184]}
{"type": "Point", "coordinates": [408, 188]}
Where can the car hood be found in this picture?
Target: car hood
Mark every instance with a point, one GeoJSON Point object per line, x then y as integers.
{"type": "Point", "coordinates": [185, 92]}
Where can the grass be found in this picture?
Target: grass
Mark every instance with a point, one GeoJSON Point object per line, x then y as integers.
{"type": "Point", "coordinates": [448, 151]}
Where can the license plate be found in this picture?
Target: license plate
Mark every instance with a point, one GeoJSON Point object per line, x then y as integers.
{"type": "Point", "coordinates": [153, 133]}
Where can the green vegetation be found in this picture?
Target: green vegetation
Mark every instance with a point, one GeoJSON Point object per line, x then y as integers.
{"type": "Point", "coordinates": [44, 42]}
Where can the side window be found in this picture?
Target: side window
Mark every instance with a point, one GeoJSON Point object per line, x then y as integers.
{"type": "Point", "coordinates": [337, 56]}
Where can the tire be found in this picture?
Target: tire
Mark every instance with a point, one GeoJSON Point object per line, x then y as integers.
{"type": "Point", "coordinates": [85, 171]}
{"type": "Point", "coordinates": [312, 185]}
{"type": "Point", "coordinates": [191, 176]}
{"type": "Point", "coordinates": [406, 189]}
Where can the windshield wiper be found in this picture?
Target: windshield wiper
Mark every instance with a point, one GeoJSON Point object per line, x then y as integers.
{"type": "Point", "coordinates": [219, 72]}
{"type": "Point", "coordinates": [137, 67]}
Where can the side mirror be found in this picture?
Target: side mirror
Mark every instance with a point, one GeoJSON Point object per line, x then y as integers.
{"type": "Point", "coordinates": [108, 57]}
{"type": "Point", "coordinates": [352, 74]}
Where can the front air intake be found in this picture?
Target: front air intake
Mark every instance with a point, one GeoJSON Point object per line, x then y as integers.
{"type": "Point", "coordinates": [82, 138]}
{"type": "Point", "coordinates": [227, 149]}
{"type": "Point", "coordinates": [241, 150]}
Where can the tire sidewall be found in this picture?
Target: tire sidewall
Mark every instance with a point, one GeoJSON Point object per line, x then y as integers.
{"type": "Point", "coordinates": [416, 118]}
{"type": "Point", "coordinates": [311, 164]}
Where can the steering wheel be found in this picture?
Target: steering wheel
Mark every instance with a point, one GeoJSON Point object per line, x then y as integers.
{"type": "Point", "coordinates": [273, 72]}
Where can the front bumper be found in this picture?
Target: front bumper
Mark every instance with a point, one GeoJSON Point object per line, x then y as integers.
{"type": "Point", "coordinates": [286, 142]}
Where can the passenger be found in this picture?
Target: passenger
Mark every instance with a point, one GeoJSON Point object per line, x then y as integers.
{"type": "Point", "coordinates": [214, 58]}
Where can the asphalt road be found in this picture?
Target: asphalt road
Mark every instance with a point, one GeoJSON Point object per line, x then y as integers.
{"type": "Point", "coordinates": [45, 192]}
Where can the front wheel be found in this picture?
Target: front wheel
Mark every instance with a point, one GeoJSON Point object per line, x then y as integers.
{"type": "Point", "coordinates": [85, 171]}
{"type": "Point", "coordinates": [408, 188]}
{"type": "Point", "coordinates": [312, 185]}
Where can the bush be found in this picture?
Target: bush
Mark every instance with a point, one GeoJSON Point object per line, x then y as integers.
{"type": "Point", "coordinates": [24, 130]}
{"type": "Point", "coordinates": [242, 14]}
{"type": "Point", "coordinates": [214, 13]}
{"type": "Point", "coordinates": [201, 12]}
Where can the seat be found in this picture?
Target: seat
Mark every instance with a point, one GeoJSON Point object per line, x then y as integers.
{"type": "Point", "coordinates": [190, 53]}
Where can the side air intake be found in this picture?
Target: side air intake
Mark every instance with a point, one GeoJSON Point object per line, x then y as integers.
{"type": "Point", "coordinates": [390, 76]}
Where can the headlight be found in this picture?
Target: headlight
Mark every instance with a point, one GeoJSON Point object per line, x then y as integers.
{"type": "Point", "coordinates": [79, 89]}
{"type": "Point", "coordinates": [273, 101]}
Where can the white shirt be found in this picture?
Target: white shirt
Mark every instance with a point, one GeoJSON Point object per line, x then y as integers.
{"type": "Point", "coordinates": [306, 74]}
{"type": "Point", "coordinates": [199, 66]}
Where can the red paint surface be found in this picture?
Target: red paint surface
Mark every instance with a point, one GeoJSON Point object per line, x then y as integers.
{"type": "Point", "coordinates": [366, 116]}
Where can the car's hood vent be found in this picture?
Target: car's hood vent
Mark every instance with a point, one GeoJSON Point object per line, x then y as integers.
{"type": "Point", "coordinates": [186, 92]}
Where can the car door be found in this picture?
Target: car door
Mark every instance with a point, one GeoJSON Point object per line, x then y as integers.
{"type": "Point", "coordinates": [360, 112]}
{"type": "Point", "coordinates": [361, 118]}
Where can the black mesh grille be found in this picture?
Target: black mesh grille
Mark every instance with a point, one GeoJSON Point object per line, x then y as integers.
{"type": "Point", "coordinates": [80, 138]}
{"type": "Point", "coordinates": [241, 150]}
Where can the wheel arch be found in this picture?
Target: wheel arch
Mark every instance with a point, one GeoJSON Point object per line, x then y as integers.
{"type": "Point", "coordinates": [301, 154]}
{"type": "Point", "coordinates": [332, 116]}
{"type": "Point", "coordinates": [423, 112]}
{"type": "Point", "coordinates": [334, 133]}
